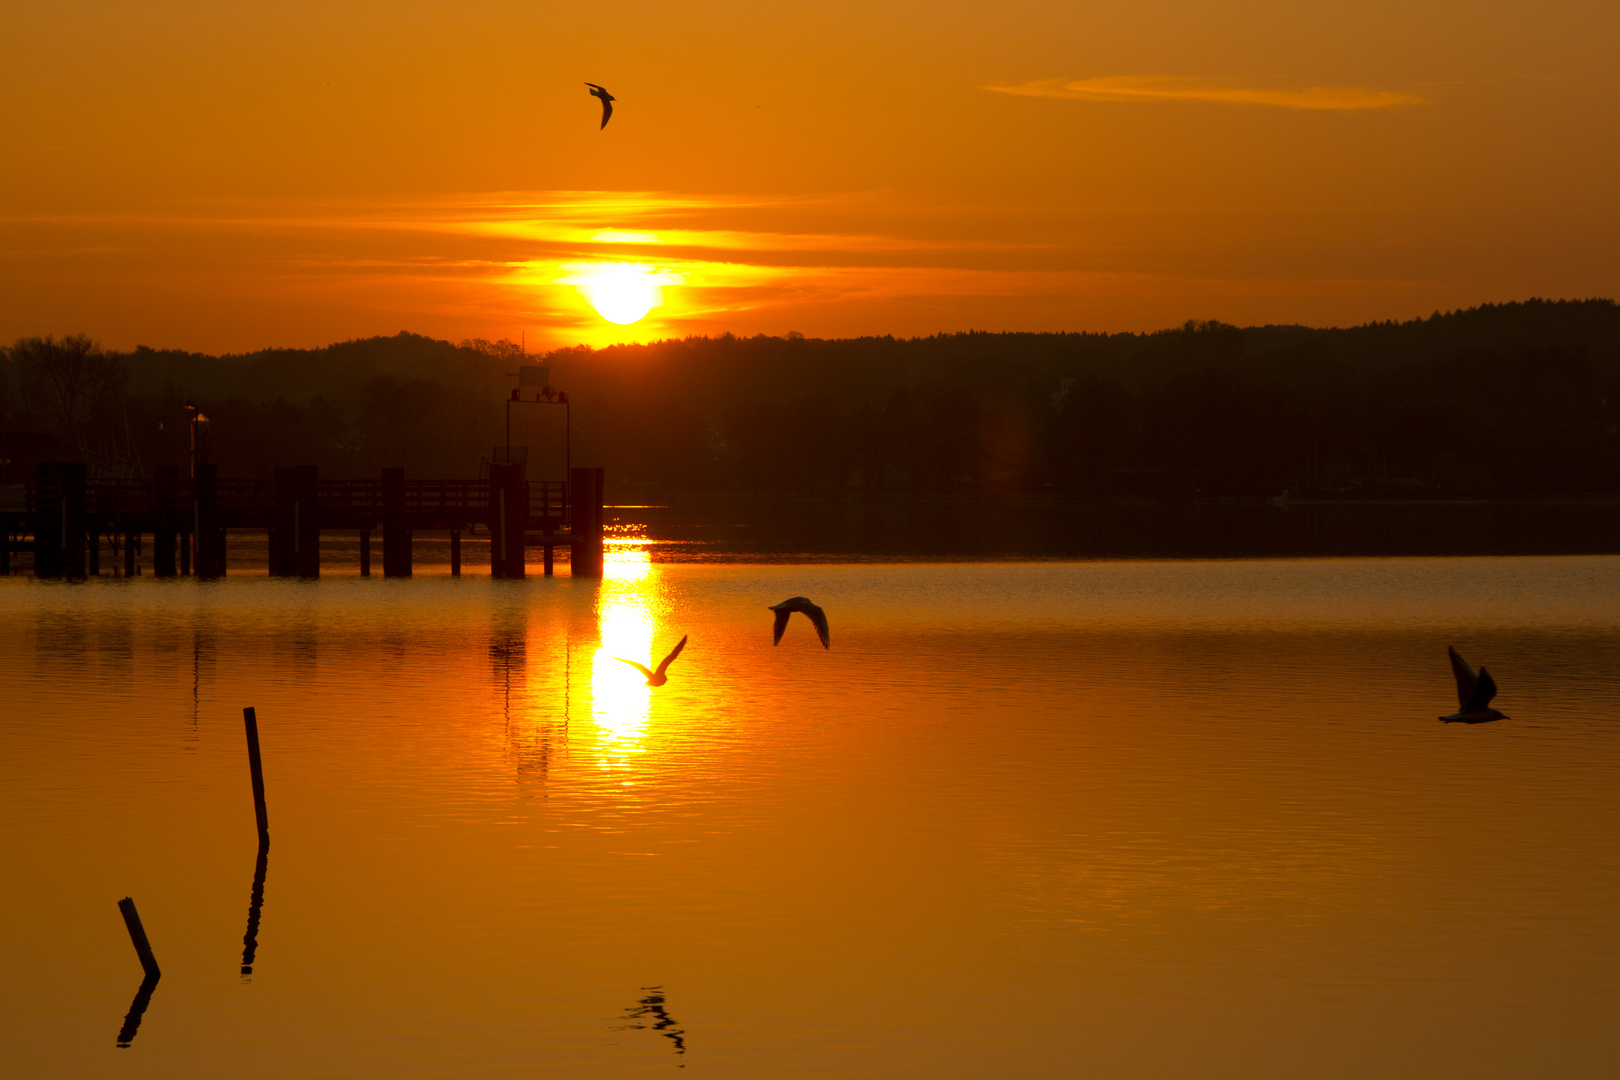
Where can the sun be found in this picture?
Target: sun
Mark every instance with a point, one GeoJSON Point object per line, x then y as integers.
{"type": "Point", "coordinates": [621, 293]}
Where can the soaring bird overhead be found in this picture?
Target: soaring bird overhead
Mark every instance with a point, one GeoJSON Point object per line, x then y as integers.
{"type": "Point", "coordinates": [657, 678]}
{"type": "Point", "coordinates": [607, 102]}
{"type": "Point", "coordinates": [799, 603]}
{"type": "Point", "coordinates": [1474, 693]}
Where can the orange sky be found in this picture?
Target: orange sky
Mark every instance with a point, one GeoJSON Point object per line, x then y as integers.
{"type": "Point", "coordinates": [226, 177]}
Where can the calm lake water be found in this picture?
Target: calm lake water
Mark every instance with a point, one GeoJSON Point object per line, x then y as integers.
{"type": "Point", "coordinates": [1121, 820]}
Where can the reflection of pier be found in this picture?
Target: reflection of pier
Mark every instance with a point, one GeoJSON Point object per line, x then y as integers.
{"type": "Point", "coordinates": [66, 519]}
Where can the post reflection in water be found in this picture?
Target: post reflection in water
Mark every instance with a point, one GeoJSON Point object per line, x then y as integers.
{"type": "Point", "coordinates": [621, 701]}
{"type": "Point", "coordinates": [250, 939]}
{"type": "Point", "coordinates": [137, 1009]}
{"type": "Point", "coordinates": [651, 1007]}
{"type": "Point", "coordinates": [528, 713]}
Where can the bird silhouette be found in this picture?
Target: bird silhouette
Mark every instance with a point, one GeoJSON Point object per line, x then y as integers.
{"type": "Point", "coordinates": [1474, 693]}
{"type": "Point", "coordinates": [799, 603]}
{"type": "Point", "coordinates": [607, 102]}
{"type": "Point", "coordinates": [657, 678]}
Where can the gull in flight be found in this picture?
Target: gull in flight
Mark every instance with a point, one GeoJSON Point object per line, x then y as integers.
{"type": "Point", "coordinates": [1474, 693]}
{"type": "Point", "coordinates": [657, 678]}
{"type": "Point", "coordinates": [607, 102]}
{"type": "Point", "coordinates": [799, 603]}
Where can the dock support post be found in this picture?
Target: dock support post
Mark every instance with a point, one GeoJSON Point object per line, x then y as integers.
{"type": "Point", "coordinates": [509, 519]}
{"type": "Point", "coordinates": [280, 555]}
{"type": "Point", "coordinates": [455, 552]}
{"type": "Point", "coordinates": [250, 720]}
{"type": "Point", "coordinates": [92, 539]}
{"type": "Point", "coordinates": [585, 522]}
{"type": "Point", "coordinates": [306, 523]}
{"type": "Point", "coordinates": [206, 532]}
{"type": "Point", "coordinates": [73, 523]}
{"type": "Point", "coordinates": [185, 553]}
{"type": "Point", "coordinates": [5, 551]}
{"type": "Point", "coordinates": [365, 552]}
{"type": "Point", "coordinates": [129, 553]}
{"type": "Point", "coordinates": [163, 531]}
{"type": "Point", "coordinates": [163, 553]}
{"type": "Point", "coordinates": [59, 522]}
{"type": "Point", "coordinates": [396, 536]}
{"type": "Point", "coordinates": [549, 551]}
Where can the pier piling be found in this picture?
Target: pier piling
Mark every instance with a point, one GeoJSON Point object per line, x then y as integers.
{"type": "Point", "coordinates": [207, 533]}
{"type": "Point", "coordinates": [509, 505]}
{"type": "Point", "coordinates": [396, 532]}
{"type": "Point", "coordinates": [165, 496]}
{"type": "Point", "coordinates": [585, 522]}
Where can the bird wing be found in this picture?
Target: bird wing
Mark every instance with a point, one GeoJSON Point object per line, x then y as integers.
{"type": "Point", "coordinates": [639, 667]}
{"type": "Point", "coordinates": [1482, 694]}
{"type": "Point", "coordinates": [819, 617]}
{"type": "Point", "coordinates": [607, 110]}
{"type": "Point", "coordinates": [673, 653]}
{"type": "Point", "coordinates": [1467, 681]}
{"type": "Point", "coordinates": [782, 617]}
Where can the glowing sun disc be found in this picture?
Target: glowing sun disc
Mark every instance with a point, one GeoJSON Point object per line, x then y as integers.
{"type": "Point", "coordinates": [621, 293]}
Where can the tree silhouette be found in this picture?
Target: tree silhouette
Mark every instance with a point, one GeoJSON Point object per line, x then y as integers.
{"type": "Point", "coordinates": [68, 382]}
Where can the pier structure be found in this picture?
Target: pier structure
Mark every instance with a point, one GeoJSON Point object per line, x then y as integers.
{"type": "Point", "coordinates": [66, 518]}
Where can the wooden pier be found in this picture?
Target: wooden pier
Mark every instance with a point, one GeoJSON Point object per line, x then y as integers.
{"type": "Point", "coordinates": [66, 518]}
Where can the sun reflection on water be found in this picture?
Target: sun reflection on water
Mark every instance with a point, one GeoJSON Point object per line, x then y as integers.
{"type": "Point", "coordinates": [621, 701]}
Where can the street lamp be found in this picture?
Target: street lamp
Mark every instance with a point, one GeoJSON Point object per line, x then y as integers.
{"type": "Point", "coordinates": [197, 418]}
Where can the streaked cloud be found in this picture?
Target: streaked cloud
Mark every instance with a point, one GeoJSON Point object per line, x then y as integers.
{"type": "Point", "coordinates": [1176, 88]}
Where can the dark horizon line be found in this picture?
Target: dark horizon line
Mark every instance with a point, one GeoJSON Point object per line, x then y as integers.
{"type": "Point", "coordinates": [791, 335]}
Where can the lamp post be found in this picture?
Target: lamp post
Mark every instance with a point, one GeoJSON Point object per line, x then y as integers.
{"type": "Point", "coordinates": [197, 418]}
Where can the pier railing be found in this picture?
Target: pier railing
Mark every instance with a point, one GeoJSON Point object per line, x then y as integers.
{"type": "Point", "coordinates": [129, 497]}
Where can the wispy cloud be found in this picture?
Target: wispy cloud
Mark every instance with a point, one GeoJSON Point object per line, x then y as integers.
{"type": "Point", "coordinates": [1176, 88]}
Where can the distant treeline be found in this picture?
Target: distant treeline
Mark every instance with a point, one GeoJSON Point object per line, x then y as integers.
{"type": "Point", "coordinates": [1506, 400]}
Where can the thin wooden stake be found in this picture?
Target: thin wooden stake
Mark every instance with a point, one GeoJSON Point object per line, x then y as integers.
{"type": "Point", "coordinates": [256, 767]}
{"type": "Point", "coordinates": [137, 934]}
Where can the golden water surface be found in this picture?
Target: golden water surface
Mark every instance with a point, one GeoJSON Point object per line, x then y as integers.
{"type": "Point", "coordinates": [1190, 819]}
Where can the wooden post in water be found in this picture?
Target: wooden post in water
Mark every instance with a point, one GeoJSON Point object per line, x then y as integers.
{"type": "Point", "coordinates": [548, 550]}
{"type": "Point", "coordinates": [509, 519]}
{"type": "Point", "coordinates": [281, 530]}
{"type": "Point", "coordinates": [251, 721]}
{"type": "Point", "coordinates": [306, 523]}
{"type": "Point", "coordinates": [58, 524]}
{"type": "Point", "coordinates": [205, 529]}
{"type": "Point", "coordinates": [129, 553]}
{"type": "Point", "coordinates": [137, 935]}
{"type": "Point", "coordinates": [455, 552]}
{"type": "Point", "coordinates": [163, 532]}
{"type": "Point", "coordinates": [585, 522]}
{"type": "Point", "coordinates": [93, 549]}
{"type": "Point", "coordinates": [74, 498]}
{"type": "Point", "coordinates": [396, 534]}
{"type": "Point", "coordinates": [365, 552]}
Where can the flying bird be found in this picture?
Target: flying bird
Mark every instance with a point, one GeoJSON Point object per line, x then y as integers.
{"type": "Point", "coordinates": [657, 678]}
{"type": "Point", "coordinates": [607, 102]}
{"type": "Point", "coordinates": [811, 612]}
{"type": "Point", "coordinates": [1474, 693]}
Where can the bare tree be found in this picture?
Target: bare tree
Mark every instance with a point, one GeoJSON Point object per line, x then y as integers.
{"type": "Point", "coordinates": [501, 350]}
{"type": "Point", "coordinates": [69, 382]}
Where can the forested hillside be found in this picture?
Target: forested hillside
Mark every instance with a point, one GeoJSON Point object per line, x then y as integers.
{"type": "Point", "coordinates": [1507, 400]}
